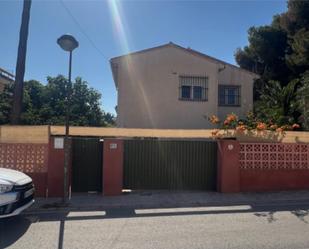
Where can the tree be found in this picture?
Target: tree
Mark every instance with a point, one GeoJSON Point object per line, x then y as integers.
{"type": "Point", "coordinates": [86, 101]}
{"type": "Point", "coordinates": [32, 103]}
{"type": "Point", "coordinates": [265, 54]}
{"type": "Point", "coordinates": [6, 104]}
{"type": "Point", "coordinates": [299, 43]}
{"type": "Point", "coordinates": [277, 103]}
{"type": "Point", "coordinates": [303, 100]}
{"type": "Point", "coordinates": [45, 104]}
{"type": "Point", "coordinates": [109, 119]}
{"type": "Point", "coordinates": [296, 17]}
{"type": "Point", "coordinates": [279, 53]}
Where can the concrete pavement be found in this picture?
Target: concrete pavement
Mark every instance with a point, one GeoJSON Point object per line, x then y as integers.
{"type": "Point", "coordinates": [163, 219]}
{"type": "Point", "coordinates": [232, 226]}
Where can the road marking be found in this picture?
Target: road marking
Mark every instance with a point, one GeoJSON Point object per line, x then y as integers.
{"type": "Point", "coordinates": [193, 209]}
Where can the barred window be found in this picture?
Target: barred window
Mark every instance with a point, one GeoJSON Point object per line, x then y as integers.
{"type": "Point", "coordinates": [229, 95]}
{"type": "Point", "coordinates": [194, 88]}
{"type": "Point", "coordinates": [186, 92]}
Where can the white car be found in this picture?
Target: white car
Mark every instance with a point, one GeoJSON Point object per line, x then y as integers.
{"type": "Point", "coordinates": [16, 192]}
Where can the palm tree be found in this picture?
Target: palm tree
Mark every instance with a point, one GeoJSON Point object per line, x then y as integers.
{"type": "Point", "coordinates": [277, 102]}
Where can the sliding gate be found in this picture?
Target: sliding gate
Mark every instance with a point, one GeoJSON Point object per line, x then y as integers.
{"type": "Point", "coordinates": [170, 164]}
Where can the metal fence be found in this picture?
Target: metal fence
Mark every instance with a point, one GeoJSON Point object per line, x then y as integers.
{"type": "Point", "coordinates": [170, 164]}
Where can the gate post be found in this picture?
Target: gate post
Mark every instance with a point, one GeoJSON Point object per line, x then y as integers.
{"type": "Point", "coordinates": [228, 166]}
{"type": "Point", "coordinates": [55, 169]}
{"type": "Point", "coordinates": [112, 166]}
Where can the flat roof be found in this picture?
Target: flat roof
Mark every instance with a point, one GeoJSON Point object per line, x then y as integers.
{"type": "Point", "coordinates": [6, 74]}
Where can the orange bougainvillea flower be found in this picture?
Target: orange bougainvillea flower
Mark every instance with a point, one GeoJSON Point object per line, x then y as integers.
{"type": "Point", "coordinates": [214, 133]}
{"type": "Point", "coordinates": [295, 126]}
{"type": "Point", "coordinates": [214, 119]}
{"type": "Point", "coordinates": [273, 127]}
{"type": "Point", "coordinates": [241, 128]}
{"type": "Point", "coordinates": [261, 126]}
{"type": "Point", "coordinates": [231, 117]}
{"type": "Point", "coordinates": [226, 122]}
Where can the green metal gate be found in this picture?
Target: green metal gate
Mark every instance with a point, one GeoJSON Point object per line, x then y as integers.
{"type": "Point", "coordinates": [87, 164]}
{"type": "Point", "coordinates": [172, 164]}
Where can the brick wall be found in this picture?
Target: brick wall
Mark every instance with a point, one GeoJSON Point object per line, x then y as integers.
{"type": "Point", "coordinates": [273, 166]}
{"type": "Point", "coordinates": [262, 166]}
{"type": "Point", "coordinates": [32, 159]}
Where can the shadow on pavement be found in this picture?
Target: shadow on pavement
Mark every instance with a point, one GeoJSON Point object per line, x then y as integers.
{"type": "Point", "coordinates": [11, 229]}
{"type": "Point", "coordinates": [299, 209]}
{"type": "Point", "coordinates": [61, 234]}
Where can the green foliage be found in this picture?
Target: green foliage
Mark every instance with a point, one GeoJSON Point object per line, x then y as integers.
{"type": "Point", "coordinates": [279, 53]}
{"type": "Point", "coordinates": [296, 18]}
{"type": "Point", "coordinates": [109, 119]}
{"type": "Point", "coordinates": [46, 104]}
{"type": "Point", "coordinates": [303, 100]}
{"type": "Point", "coordinates": [300, 47]}
{"type": "Point", "coordinates": [265, 54]}
{"type": "Point", "coordinates": [6, 104]}
{"type": "Point", "coordinates": [277, 103]}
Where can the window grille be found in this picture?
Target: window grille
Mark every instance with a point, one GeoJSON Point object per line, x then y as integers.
{"type": "Point", "coordinates": [193, 88]}
{"type": "Point", "coordinates": [229, 95]}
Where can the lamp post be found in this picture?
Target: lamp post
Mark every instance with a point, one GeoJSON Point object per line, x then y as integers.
{"type": "Point", "coordinates": [67, 43]}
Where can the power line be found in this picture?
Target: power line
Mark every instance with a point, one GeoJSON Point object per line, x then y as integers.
{"type": "Point", "coordinates": [82, 30]}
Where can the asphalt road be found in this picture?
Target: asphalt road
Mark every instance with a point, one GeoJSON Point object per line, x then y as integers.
{"type": "Point", "coordinates": [222, 227]}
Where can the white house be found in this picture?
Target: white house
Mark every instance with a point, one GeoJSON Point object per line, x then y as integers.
{"type": "Point", "coordinates": [171, 87]}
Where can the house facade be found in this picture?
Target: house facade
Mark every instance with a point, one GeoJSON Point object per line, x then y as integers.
{"type": "Point", "coordinates": [5, 79]}
{"type": "Point", "coordinates": [171, 87]}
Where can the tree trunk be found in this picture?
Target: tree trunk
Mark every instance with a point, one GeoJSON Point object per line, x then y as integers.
{"type": "Point", "coordinates": [20, 64]}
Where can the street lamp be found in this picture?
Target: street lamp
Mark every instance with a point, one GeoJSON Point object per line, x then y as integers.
{"type": "Point", "coordinates": [67, 43]}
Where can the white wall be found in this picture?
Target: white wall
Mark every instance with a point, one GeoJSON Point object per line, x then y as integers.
{"type": "Point", "coordinates": [148, 89]}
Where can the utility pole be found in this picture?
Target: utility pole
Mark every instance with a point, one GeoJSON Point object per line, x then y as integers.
{"type": "Point", "coordinates": [20, 64]}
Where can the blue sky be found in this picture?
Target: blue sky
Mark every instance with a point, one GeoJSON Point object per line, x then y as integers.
{"type": "Point", "coordinates": [106, 29]}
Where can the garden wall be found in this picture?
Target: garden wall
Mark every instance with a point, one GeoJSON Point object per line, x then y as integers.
{"type": "Point", "coordinates": [273, 166]}
{"type": "Point", "coordinates": [263, 166]}
{"type": "Point", "coordinates": [28, 149]}
{"type": "Point", "coordinates": [254, 162]}
{"type": "Point", "coordinates": [32, 159]}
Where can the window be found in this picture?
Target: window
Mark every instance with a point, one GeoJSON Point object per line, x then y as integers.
{"type": "Point", "coordinates": [197, 92]}
{"type": "Point", "coordinates": [229, 95]}
{"type": "Point", "coordinates": [194, 88]}
{"type": "Point", "coordinates": [186, 92]}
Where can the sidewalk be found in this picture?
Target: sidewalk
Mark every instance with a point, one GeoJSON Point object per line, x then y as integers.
{"type": "Point", "coordinates": [168, 199]}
